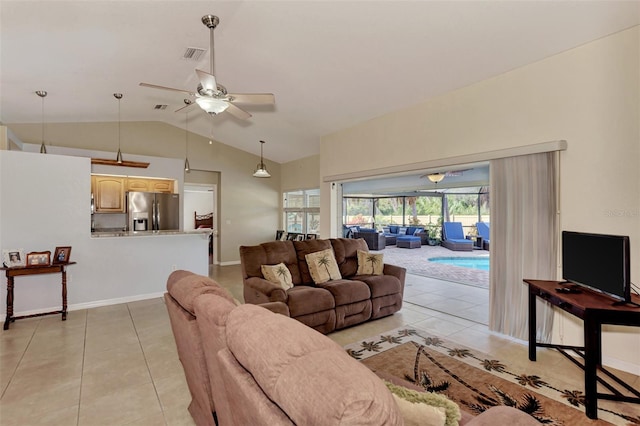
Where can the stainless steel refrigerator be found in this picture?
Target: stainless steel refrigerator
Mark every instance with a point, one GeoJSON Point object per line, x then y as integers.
{"type": "Point", "coordinates": [153, 211]}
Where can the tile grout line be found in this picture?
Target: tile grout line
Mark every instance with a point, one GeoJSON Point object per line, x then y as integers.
{"type": "Point", "coordinates": [84, 355]}
{"type": "Point", "coordinates": [144, 355]}
{"type": "Point", "coordinates": [19, 361]}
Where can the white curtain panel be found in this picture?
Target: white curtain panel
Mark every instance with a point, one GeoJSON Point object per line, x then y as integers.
{"type": "Point", "coordinates": [524, 239]}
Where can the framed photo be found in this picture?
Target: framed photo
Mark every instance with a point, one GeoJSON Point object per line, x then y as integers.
{"type": "Point", "coordinates": [312, 236]}
{"type": "Point", "coordinates": [300, 237]}
{"type": "Point", "coordinates": [61, 255]}
{"type": "Point", "coordinates": [13, 257]}
{"type": "Point", "coordinates": [39, 258]}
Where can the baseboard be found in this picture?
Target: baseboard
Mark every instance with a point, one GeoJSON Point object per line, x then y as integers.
{"type": "Point", "coordinates": [619, 364]}
{"type": "Point", "coordinates": [89, 305]}
{"type": "Point", "coordinates": [233, 262]}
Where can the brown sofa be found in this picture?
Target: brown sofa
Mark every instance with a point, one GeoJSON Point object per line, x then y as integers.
{"type": "Point", "coordinates": [329, 306]}
{"type": "Point", "coordinates": [258, 368]}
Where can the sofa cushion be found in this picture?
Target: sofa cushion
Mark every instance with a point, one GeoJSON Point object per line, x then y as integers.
{"type": "Point", "coordinates": [303, 248]}
{"type": "Point", "coordinates": [418, 407]}
{"type": "Point", "coordinates": [322, 266]}
{"type": "Point", "coordinates": [402, 230]}
{"type": "Point", "coordinates": [370, 263]}
{"type": "Point", "coordinates": [311, 378]}
{"type": "Point", "coordinates": [303, 300]}
{"type": "Point", "coordinates": [393, 229]}
{"type": "Point", "coordinates": [346, 252]}
{"type": "Point", "coordinates": [347, 291]}
{"type": "Point", "coordinates": [380, 285]}
{"type": "Point", "coordinates": [269, 253]}
{"type": "Point", "coordinates": [278, 274]}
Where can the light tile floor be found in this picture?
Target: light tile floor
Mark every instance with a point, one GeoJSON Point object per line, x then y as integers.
{"type": "Point", "coordinates": [117, 365]}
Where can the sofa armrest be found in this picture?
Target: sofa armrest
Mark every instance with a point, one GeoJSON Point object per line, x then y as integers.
{"type": "Point", "coordinates": [397, 271]}
{"type": "Point", "coordinates": [258, 290]}
{"type": "Point", "coordinates": [277, 308]}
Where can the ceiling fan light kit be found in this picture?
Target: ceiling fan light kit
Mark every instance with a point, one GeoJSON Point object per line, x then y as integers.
{"type": "Point", "coordinates": [212, 106]}
{"type": "Point", "coordinates": [42, 94]}
{"type": "Point", "coordinates": [261, 169]}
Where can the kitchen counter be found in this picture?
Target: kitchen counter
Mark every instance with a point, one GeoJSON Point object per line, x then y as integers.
{"type": "Point", "coordinates": [114, 233]}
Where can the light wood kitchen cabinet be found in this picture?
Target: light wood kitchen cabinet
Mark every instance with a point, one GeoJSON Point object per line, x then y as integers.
{"type": "Point", "coordinates": [108, 193]}
{"type": "Point", "coordinates": [138, 184]}
{"type": "Point", "coordinates": [162, 185]}
{"type": "Point", "coordinates": [149, 185]}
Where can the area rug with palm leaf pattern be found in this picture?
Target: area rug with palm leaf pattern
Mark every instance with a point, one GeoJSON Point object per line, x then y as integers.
{"type": "Point", "coordinates": [476, 381]}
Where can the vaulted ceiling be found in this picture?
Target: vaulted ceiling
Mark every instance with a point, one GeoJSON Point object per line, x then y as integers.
{"type": "Point", "coordinates": [330, 64]}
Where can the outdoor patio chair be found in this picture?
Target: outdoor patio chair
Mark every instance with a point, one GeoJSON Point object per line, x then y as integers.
{"type": "Point", "coordinates": [453, 237]}
{"type": "Point", "coordinates": [483, 231]}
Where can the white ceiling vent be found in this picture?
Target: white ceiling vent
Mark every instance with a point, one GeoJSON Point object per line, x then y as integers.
{"type": "Point", "coordinates": [160, 107]}
{"type": "Point", "coordinates": [193, 53]}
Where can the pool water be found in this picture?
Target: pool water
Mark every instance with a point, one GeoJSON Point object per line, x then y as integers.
{"type": "Point", "coordinates": [481, 263]}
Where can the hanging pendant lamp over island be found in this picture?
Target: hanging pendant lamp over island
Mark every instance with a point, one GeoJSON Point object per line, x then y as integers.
{"type": "Point", "coordinates": [42, 94]}
{"type": "Point", "coordinates": [261, 169]}
{"type": "Point", "coordinates": [118, 96]}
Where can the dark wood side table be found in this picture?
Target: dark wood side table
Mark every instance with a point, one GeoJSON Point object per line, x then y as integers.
{"type": "Point", "coordinates": [11, 273]}
{"type": "Point", "coordinates": [595, 310]}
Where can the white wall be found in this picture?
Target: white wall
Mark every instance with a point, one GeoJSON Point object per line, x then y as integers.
{"type": "Point", "coordinates": [44, 204]}
{"type": "Point", "coordinates": [588, 96]}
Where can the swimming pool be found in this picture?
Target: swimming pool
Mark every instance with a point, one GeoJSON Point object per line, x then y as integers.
{"type": "Point", "coordinates": [481, 263]}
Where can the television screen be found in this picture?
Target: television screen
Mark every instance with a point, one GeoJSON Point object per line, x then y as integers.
{"type": "Point", "coordinates": [598, 261]}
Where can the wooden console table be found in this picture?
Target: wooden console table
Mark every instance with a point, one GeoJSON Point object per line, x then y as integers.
{"type": "Point", "coordinates": [595, 310]}
{"type": "Point", "coordinates": [11, 273]}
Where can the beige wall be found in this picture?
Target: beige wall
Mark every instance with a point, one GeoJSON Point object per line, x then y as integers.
{"type": "Point", "coordinates": [301, 174]}
{"type": "Point", "coordinates": [588, 96]}
{"type": "Point", "coordinates": [248, 207]}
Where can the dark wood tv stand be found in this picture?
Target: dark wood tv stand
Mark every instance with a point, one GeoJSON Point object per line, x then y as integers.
{"type": "Point", "coordinates": [595, 310]}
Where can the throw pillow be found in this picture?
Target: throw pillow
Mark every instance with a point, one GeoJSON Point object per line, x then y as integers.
{"type": "Point", "coordinates": [278, 274]}
{"type": "Point", "coordinates": [423, 402]}
{"type": "Point", "coordinates": [402, 231]}
{"type": "Point", "coordinates": [417, 231]}
{"type": "Point", "coordinates": [369, 263]}
{"type": "Point", "coordinates": [323, 266]}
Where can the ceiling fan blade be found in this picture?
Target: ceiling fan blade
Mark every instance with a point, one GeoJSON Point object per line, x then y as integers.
{"type": "Point", "coordinates": [253, 98]}
{"type": "Point", "coordinates": [207, 80]}
{"type": "Point", "coordinates": [237, 112]}
{"type": "Point", "coordinates": [155, 86]}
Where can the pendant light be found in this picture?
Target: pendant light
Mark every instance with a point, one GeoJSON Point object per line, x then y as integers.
{"type": "Point", "coordinates": [261, 169]}
{"type": "Point", "coordinates": [118, 96]}
{"type": "Point", "coordinates": [42, 94]}
{"type": "Point", "coordinates": [187, 168]}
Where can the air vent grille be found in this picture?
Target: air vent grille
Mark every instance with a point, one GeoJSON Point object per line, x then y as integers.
{"type": "Point", "coordinates": [160, 107]}
{"type": "Point", "coordinates": [193, 53]}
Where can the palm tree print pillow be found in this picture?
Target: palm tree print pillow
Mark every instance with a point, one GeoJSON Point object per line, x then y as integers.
{"type": "Point", "coordinates": [323, 266]}
{"type": "Point", "coordinates": [369, 263]}
{"type": "Point", "coordinates": [278, 274]}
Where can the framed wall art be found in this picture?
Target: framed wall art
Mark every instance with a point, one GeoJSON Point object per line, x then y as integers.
{"type": "Point", "coordinates": [13, 257]}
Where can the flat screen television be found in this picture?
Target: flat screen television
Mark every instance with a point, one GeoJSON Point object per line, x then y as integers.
{"type": "Point", "coordinates": [598, 261]}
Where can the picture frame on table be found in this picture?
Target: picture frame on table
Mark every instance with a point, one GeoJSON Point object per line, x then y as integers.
{"type": "Point", "coordinates": [12, 258]}
{"type": "Point", "coordinates": [39, 258]}
{"type": "Point", "coordinates": [61, 255]}
{"type": "Point", "coordinates": [300, 237]}
{"type": "Point", "coordinates": [312, 236]}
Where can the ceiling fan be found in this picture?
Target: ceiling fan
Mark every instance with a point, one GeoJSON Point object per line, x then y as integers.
{"type": "Point", "coordinates": [211, 96]}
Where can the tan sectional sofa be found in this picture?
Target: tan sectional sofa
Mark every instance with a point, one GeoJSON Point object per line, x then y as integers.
{"type": "Point", "coordinates": [246, 365]}
{"type": "Point", "coordinates": [328, 306]}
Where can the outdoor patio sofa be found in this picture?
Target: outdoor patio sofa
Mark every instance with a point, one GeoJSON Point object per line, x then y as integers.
{"type": "Point", "coordinates": [327, 306]}
{"type": "Point", "coordinates": [394, 231]}
{"type": "Point", "coordinates": [453, 237]}
{"type": "Point", "coordinates": [374, 239]}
